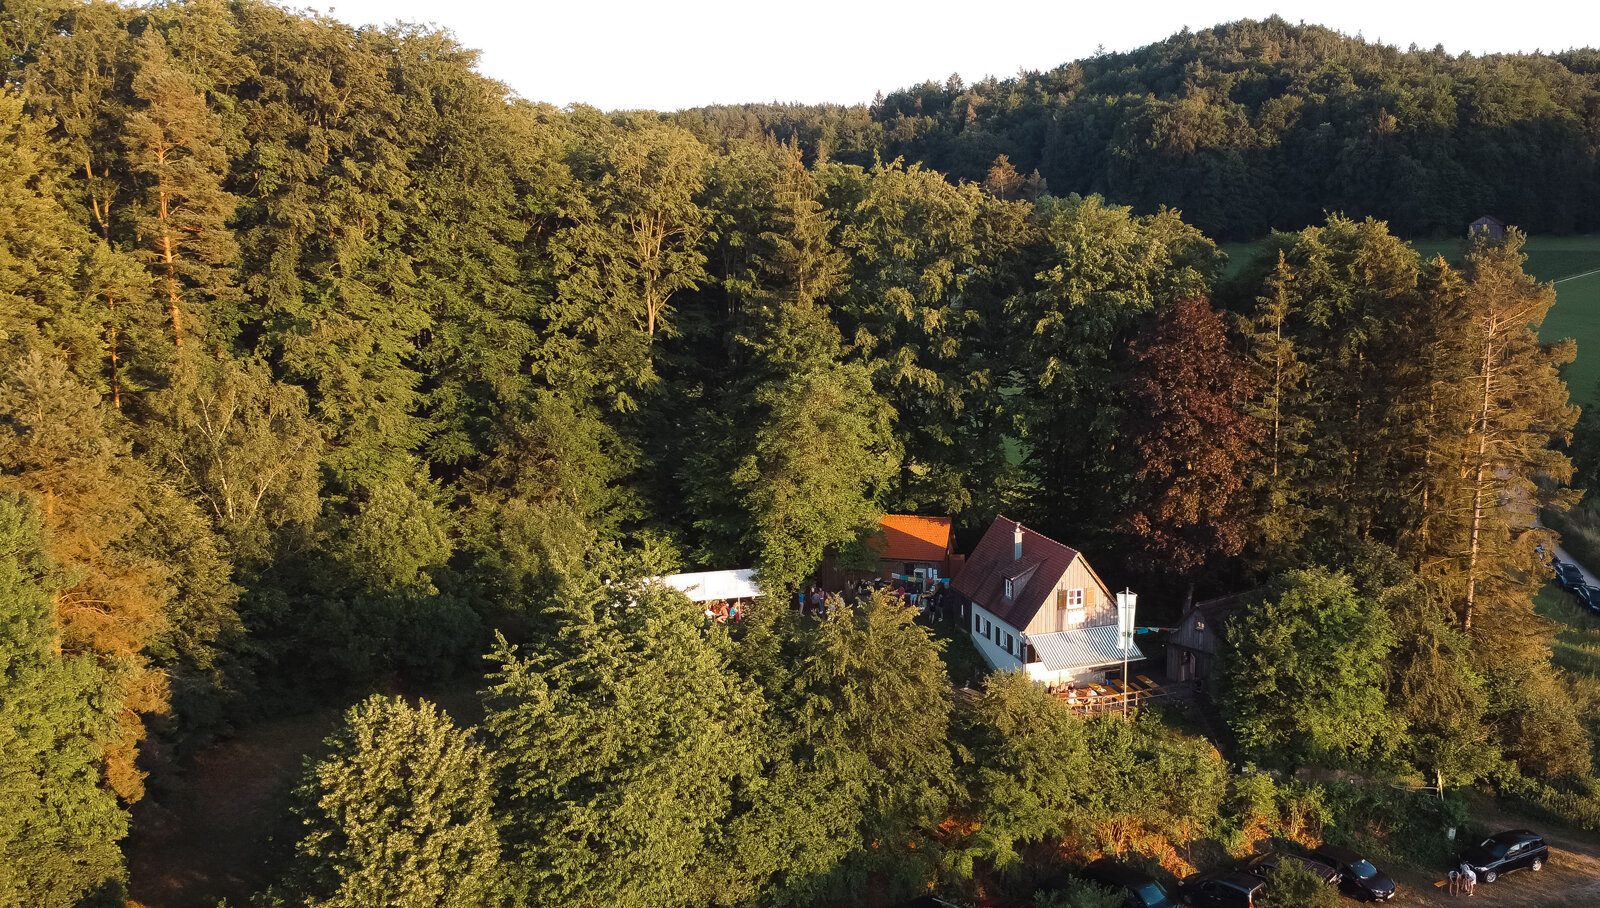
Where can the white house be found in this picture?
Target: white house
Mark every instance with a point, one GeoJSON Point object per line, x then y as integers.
{"type": "Point", "coordinates": [1035, 605]}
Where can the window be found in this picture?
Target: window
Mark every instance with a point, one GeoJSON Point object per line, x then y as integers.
{"type": "Point", "coordinates": [1009, 587]}
{"type": "Point", "coordinates": [1008, 645]}
{"type": "Point", "coordinates": [1069, 608]}
{"type": "Point", "coordinates": [988, 630]}
{"type": "Point", "coordinates": [977, 623]}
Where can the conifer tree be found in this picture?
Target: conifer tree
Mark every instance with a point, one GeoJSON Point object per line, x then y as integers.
{"type": "Point", "coordinates": [1520, 407]}
{"type": "Point", "coordinates": [174, 149]}
{"type": "Point", "coordinates": [624, 733]}
{"type": "Point", "coordinates": [58, 842]}
{"type": "Point", "coordinates": [1281, 407]}
{"type": "Point", "coordinates": [56, 447]}
{"type": "Point", "coordinates": [875, 715]}
{"type": "Point", "coordinates": [398, 814]}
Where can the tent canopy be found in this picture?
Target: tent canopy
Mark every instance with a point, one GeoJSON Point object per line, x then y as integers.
{"type": "Point", "coordinates": [708, 586]}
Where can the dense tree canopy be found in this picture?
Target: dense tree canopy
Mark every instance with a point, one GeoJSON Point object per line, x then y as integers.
{"type": "Point", "coordinates": [327, 366]}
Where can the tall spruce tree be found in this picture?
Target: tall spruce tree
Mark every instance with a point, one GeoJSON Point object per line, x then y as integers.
{"type": "Point", "coordinates": [59, 840]}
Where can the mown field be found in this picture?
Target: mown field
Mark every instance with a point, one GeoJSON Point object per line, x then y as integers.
{"type": "Point", "coordinates": [1572, 262]}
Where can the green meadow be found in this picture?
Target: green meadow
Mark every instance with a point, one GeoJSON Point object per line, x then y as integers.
{"type": "Point", "coordinates": [1572, 262]}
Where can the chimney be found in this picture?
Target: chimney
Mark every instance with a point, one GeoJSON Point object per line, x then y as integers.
{"type": "Point", "coordinates": [1016, 543]}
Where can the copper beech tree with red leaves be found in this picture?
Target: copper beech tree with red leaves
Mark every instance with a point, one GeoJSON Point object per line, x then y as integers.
{"type": "Point", "coordinates": [1188, 440]}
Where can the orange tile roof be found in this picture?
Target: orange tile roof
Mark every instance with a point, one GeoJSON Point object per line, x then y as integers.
{"type": "Point", "coordinates": [909, 538]}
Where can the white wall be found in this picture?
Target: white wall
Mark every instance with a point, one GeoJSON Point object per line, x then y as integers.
{"type": "Point", "coordinates": [994, 653]}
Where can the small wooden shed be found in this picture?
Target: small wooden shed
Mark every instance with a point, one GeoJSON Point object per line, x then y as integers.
{"type": "Point", "coordinates": [1489, 225]}
{"type": "Point", "coordinates": [1192, 649]}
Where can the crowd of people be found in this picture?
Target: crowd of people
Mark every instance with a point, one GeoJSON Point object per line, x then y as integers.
{"type": "Point", "coordinates": [927, 596]}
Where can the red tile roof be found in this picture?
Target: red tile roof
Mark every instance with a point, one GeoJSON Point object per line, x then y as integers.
{"type": "Point", "coordinates": [982, 578]}
{"type": "Point", "coordinates": [908, 538]}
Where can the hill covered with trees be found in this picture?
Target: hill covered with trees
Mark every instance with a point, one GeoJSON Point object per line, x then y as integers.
{"type": "Point", "coordinates": [326, 367]}
{"type": "Point", "coordinates": [1253, 126]}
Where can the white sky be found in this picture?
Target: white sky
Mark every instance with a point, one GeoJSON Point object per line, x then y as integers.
{"type": "Point", "coordinates": [672, 54]}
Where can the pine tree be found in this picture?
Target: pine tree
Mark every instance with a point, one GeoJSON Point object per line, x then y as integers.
{"type": "Point", "coordinates": [173, 144]}
{"type": "Point", "coordinates": [1520, 408]}
{"type": "Point", "coordinates": [56, 447]}
{"type": "Point", "coordinates": [399, 814]}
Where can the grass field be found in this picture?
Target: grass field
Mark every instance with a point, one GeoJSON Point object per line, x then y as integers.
{"type": "Point", "coordinates": [1572, 262]}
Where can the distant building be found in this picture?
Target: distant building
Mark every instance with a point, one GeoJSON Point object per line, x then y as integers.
{"type": "Point", "coordinates": [1033, 604]}
{"type": "Point", "coordinates": [913, 547]}
{"type": "Point", "coordinates": [1192, 648]}
{"type": "Point", "coordinates": [910, 551]}
{"type": "Point", "coordinates": [1490, 225]}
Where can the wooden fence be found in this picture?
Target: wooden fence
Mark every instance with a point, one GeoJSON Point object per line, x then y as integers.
{"type": "Point", "coordinates": [1094, 699]}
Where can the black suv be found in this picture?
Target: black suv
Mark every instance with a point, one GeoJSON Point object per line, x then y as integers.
{"type": "Point", "coordinates": [1139, 890]}
{"type": "Point", "coordinates": [1587, 596]}
{"type": "Point", "coordinates": [1263, 865]}
{"type": "Point", "coordinates": [1357, 876]}
{"type": "Point", "coordinates": [1507, 851]}
{"type": "Point", "coordinates": [1229, 889]}
{"type": "Point", "coordinates": [1568, 577]}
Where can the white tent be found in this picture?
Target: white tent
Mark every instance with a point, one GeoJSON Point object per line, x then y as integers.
{"type": "Point", "coordinates": [707, 586]}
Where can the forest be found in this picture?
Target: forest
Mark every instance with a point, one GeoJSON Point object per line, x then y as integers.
{"type": "Point", "coordinates": [332, 374]}
{"type": "Point", "coordinates": [1251, 126]}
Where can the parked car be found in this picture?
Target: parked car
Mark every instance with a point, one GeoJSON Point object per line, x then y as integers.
{"type": "Point", "coordinates": [1357, 876]}
{"type": "Point", "coordinates": [1139, 889]}
{"type": "Point", "coordinates": [1228, 889]}
{"type": "Point", "coordinates": [1504, 852]}
{"type": "Point", "coordinates": [1587, 596]}
{"type": "Point", "coordinates": [1568, 577]}
{"type": "Point", "coordinates": [1262, 865]}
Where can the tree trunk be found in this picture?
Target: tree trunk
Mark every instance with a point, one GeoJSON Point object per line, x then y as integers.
{"type": "Point", "coordinates": [1482, 465]}
{"type": "Point", "coordinates": [169, 264]}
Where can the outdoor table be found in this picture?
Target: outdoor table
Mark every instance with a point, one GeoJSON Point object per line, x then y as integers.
{"type": "Point", "coordinates": [1145, 680]}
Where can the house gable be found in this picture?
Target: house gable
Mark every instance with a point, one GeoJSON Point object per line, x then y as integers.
{"type": "Point", "coordinates": [1045, 571]}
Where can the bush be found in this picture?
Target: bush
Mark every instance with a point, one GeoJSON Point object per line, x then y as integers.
{"type": "Point", "coordinates": [1078, 894]}
{"type": "Point", "coordinates": [1406, 825]}
{"type": "Point", "coordinates": [1292, 885]}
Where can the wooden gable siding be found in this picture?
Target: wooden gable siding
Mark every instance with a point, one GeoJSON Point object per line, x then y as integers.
{"type": "Point", "coordinates": [1193, 635]}
{"type": "Point", "coordinates": [1103, 610]}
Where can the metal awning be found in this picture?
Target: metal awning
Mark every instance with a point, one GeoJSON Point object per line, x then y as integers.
{"type": "Point", "coordinates": [1084, 647]}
